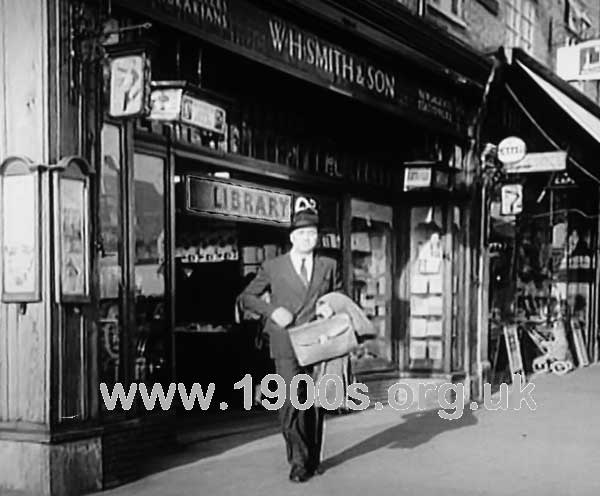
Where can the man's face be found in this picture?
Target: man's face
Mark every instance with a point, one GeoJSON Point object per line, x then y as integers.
{"type": "Point", "coordinates": [304, 239]}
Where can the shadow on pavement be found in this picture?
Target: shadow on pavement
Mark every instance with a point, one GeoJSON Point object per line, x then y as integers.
{"type": "Point", "coordinates": [417, 428]}
{"type": "Point", "coordinates": [196, 442]}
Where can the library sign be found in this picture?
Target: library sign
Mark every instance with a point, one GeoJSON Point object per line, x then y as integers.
{"type": "Point", "coordinates": [230, 200]}
{"type": "Point", "coordinates": [241, 27]}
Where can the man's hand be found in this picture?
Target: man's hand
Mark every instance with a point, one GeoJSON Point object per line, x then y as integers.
{"type": "Point", "coordinates": [324, 310]}
{"type": "Point", "coordinates": [282, 317]}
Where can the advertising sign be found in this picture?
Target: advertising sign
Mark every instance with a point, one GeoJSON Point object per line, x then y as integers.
{"type": "Point", "coordinates": [511, 150]}
{"type": "Point", "coordinates": [512, 199]}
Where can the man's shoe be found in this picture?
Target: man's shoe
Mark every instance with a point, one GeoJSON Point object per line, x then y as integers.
{"type": "Point", "coordinates": [299, 475]}
{"type": "Point", "coordinates": [318, 470]}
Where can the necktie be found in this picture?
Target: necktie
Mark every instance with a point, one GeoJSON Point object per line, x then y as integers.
{"type": "Point", "coordinates": [304, 272]}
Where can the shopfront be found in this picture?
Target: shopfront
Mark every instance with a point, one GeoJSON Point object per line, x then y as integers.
{"type": "Point", "coordinates": [543, 265]}
{"type": "Point", "coordinates": [251, 107]}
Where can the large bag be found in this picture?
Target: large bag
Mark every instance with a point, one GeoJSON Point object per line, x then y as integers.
{"type": "Point", "coordinates": [323, 340]}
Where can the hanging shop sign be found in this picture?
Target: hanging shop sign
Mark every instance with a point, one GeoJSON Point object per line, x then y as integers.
{"type": "Point", "coordinates": [175, 101]}
{"type": "Point", "coordinates": [512, 199]}
{"type": "Point", "coordinates": [20, 230]}
{"type": "Point", "coordinates": [511, 150]}
{"type": "Point", "coordinates": [237, 201]}
{"type": "Point", "coordinates": [129, 76]}
{"type": "Point", "coordinates": [243, 28]}
{"type": "Point", "coordinates": [426, 177]}
{"type": "Point", "coordinates": [538, 162]}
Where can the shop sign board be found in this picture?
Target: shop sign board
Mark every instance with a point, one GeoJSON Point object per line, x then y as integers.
{"type": "Point", "coordinates": [256, 33]}
{"type": "Point", "coordinates": [511, 150]}
{"type": "Point", "coordinates": [512, 199]}
{"type": "Point", "coordinates": [173, 104]}
{"type": "Point", "coordinates": [201, 114]}
{"type": "Point", "coordinates": [237, 201]}
{"type": "Point", "coordinates": [539, 162]}
{"type": "Point", "coordinates": [417, 177]}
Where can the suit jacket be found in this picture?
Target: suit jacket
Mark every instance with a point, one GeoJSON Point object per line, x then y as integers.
{"type": "Point", "coordinates": [287, 290]}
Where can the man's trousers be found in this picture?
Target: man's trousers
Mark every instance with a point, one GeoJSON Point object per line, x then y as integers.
{"type": "Point", "coordinates": [302, 429]}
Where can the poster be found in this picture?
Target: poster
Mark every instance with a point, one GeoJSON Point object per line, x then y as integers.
{"type": "Point", "coordinates": [19, 236]}
{"type": "Point", "coordinates": [73, 237]}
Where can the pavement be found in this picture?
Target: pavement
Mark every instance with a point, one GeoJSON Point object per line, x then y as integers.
{"type": "Point", "coordinates": [553, 449]}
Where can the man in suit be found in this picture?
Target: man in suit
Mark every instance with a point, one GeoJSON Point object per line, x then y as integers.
{"type": "Point", "coordinates": [295, 280]}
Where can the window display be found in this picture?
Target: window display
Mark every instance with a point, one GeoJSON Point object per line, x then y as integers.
{"type": "Point", "coordinates": [426, 327]}
{"type": "Point", "coordinates": [370, 241]}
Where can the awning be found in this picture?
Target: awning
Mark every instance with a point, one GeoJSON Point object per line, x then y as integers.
{"type": "Point", "coordinates": [560, 117]}
{"type": "Point", "coordinates": [583, 117]}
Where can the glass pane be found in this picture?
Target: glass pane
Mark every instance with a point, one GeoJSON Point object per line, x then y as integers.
{"type": "Point", "coordinates": [110, 257]}
{"type": "Point", "coordinates": [426, 329]}
{"type": "Point", "coordinates": [150, 340]}
{"type": "Point", "coordinates": [372, 281]}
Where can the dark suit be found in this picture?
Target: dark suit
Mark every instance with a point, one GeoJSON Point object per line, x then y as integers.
{"type": "Point", "coordinates": [302, 429]}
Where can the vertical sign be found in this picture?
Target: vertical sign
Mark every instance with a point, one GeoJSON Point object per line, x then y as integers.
{"type": "Point", "coordinates": [512, 199]}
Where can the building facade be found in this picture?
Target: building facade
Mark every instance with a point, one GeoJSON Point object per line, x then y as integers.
{"type": "Point", "coordinates": [160, 176]}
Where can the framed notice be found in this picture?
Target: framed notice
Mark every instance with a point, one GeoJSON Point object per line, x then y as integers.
{"type": "Point", "coordinates": [20, 236]}
{"type": "Point", "coordinates": [513, 349]}
{"type": "Point", "coordinates": [73, 237]}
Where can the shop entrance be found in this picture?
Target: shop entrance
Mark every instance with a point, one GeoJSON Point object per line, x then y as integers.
{"type": "Point", "coordinates": [226, 225]}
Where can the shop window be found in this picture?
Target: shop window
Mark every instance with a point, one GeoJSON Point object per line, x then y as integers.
{"type": "Point", "coordinates": [371, 246]}
{"type": "Point", "coordinates": [520, 24]}
{"type": "Point", "coordinates": [149, 341]}
{"type": "Point", "coordinates": [110, 257]}
{"type": "Point", "coordinates": [427, 282]}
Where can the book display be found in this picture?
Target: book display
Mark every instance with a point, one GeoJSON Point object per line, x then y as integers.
{"type": "Point", "coordinates": [371, 280]}
{"type": "Point", "coordinates": [426, 290]}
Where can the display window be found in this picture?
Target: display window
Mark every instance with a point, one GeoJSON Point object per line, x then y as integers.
{"type": "Point", "coordinates": [427, 282]}
{"type": "Point", "coordinates": [372, 271]}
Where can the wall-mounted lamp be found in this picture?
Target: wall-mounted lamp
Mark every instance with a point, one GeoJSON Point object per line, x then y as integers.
{"type": "Point", "coordinates": [189, 108]}
{"type": "Point", "coordinates": [128, 77]}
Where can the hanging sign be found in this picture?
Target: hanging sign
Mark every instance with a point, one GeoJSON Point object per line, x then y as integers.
{"type": "Point", "coordinates": [538, 162]}
{"type": "Point", "coordinates": [512, 199]}
{"type": "Point", "coordinates": [221, 198]}
{"type": "Point", "coordinates": [511, 150]}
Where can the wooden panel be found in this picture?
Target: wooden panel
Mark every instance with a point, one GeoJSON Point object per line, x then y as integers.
{"type": "Point", "coordinates": [25, 77]}
{"type": "Point", "coordinates": [71, 364]}
{"type": "Point", "coordinates": [23, 130]}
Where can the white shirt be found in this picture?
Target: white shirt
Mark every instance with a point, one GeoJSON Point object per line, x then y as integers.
{"type": "Point", "coordinates": [297, 263]}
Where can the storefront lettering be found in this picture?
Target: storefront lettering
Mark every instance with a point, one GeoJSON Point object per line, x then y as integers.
{"type": "Point", "coordinates": [301, 47]}
{"type": "Point", "coordinates": [435, 105]}
{"type": "Point", "coordinates": [240, 25]}
{"type": "Point", "coordinates": [216, 197]}
{"type": "Point", "coordinates": [213, 12]}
